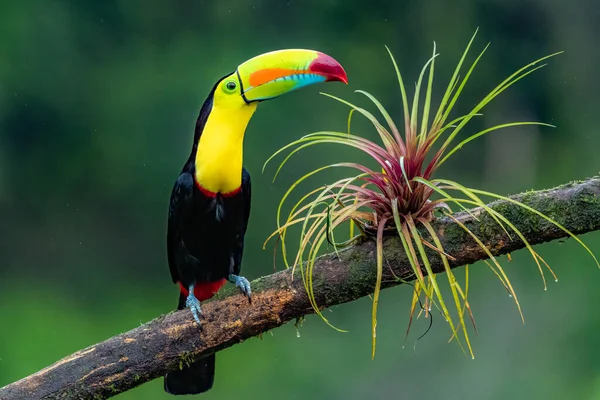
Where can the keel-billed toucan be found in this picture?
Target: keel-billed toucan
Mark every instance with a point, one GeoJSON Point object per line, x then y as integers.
{"type": "Point", "coordinates": [210, 202]}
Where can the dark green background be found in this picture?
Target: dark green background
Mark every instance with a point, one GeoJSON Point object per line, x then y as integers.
{"type": "Point", "coordinates": [98, 101]}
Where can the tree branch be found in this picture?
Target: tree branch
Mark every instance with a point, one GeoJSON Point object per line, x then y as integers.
{"type": "Point", "coordinates": [164, 344]}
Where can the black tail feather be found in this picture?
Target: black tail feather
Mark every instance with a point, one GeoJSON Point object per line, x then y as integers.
{"type": "Point", "coordinates": [195, 378]}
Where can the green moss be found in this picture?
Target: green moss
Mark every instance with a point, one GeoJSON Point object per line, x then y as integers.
{"type": "Point", "coordinates": [453, 235]}
{"type": "Point", "coordinates": [360, 264]}
{"type": "Point", "coordinates": [487, 229]}
{"type": "Point", "coordinates": [299, 322]}
{"type": "Point", "coordinates": [357, 262]}
{"type": "Point", "coordinates": [186, 359]}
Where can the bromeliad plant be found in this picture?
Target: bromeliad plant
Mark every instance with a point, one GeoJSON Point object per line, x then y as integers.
{"type": "Point", "coordinates": [402, 194]}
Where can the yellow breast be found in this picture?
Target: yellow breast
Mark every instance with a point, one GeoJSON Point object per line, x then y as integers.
{"type": "Point", "coordinates": [220, 149]}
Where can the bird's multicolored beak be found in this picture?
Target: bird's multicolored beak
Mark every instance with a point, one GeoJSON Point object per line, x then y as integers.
{"type": "Point", "coordinates": [272, 74]}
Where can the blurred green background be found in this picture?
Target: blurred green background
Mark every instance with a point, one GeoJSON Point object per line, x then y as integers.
{"type": "Point", "coordinates": [98, 101]}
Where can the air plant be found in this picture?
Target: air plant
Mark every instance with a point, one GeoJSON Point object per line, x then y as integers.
{"type": "Point", "coordinates": [402, 194]}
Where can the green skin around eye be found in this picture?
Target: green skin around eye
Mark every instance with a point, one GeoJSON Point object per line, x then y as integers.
{"type": "Point", "coordinates": [230, 86]}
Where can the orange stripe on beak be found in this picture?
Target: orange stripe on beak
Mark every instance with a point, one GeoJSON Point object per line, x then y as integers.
{"type": "Point", "coordinates": [263, 76]}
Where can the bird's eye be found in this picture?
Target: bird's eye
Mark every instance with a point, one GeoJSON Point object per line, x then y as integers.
{"type": "Point", "coordinates": [231, 86]}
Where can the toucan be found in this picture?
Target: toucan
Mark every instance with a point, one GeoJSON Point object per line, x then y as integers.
{"type": "Point", "coordinates": [210, 201]}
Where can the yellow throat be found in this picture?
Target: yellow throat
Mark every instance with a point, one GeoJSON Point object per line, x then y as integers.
{"type": "Point", "coordinates": [220, 148]}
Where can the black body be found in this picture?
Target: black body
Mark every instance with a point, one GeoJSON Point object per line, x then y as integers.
{"type": "Point", "coordinates": [205, 243]}
{"type": "Point", "coordinates": [205, 238]}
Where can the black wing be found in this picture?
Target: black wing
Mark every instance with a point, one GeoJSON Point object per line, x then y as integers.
{"type": "Point", "coordinates": [246, 200]}
{"type": "Point", "coordinates": [181, 199]}
{"type": "Point", "coordinates": [247, 194]}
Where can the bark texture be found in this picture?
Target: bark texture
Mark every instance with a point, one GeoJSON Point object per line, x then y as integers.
{"type": "Point", "coordinates": [169, 341]}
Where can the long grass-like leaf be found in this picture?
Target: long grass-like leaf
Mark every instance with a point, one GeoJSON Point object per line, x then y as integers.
{"type": "Point", "coordinates": [407, 244]}
{"type": "Point", "coordinates": [491, 257]}
{"type": "Point", "coordinates": [454, 285]}
{"type": "Point", "coordinates": [417, 238]}
{"type": "Point", "coordinates": [415, 105]}
{"type": "Point", "coordinates": [480, 203]}
{"type": "Point", "coordinates": [460, 88]}
{"type": "Point", "coordinates": [483, 132]}
{"type": "Point", "coordinates": [427, 105]}
{"type": "Point", "coordinates": [382, 224]}
{"type": "Point", "coordinates": [438, 121]}
{"type": "Point", "coordinates": [388, 120]}
{"type": "Point", "coordinates": [512, 79]}
{"type": "Point", "coordinates": [326, 139]}
{"type": "Point", "coordinates": [388, 141]}
{"type": "Point", "coordinates": [536, 257]}
{"type": "Point", "coordinates": [288, 192]}
{"type": "Point", "coordinates": [403, 93]}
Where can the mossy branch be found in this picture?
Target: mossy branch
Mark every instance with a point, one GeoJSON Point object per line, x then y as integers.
{"type": "Point", "coordinates": [164, 344]}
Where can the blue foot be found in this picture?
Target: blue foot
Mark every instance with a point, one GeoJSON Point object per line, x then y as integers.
{"type": "Point", "coordinates": [193, 304]}
{"type": "Point", "coordinates": [243, 284]}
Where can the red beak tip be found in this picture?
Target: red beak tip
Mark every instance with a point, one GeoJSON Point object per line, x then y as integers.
{"type": "Point", "coordinates": [327, 66]}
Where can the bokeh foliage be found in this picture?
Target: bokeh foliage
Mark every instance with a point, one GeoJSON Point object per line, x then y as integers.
{"type": "Point", "coordinates": [98, 101]}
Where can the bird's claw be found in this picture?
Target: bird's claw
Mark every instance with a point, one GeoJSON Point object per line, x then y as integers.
{"type": "Point", "coordinates": [194, 305]}
{"type": "Point", "coordinates": [243, 284]}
